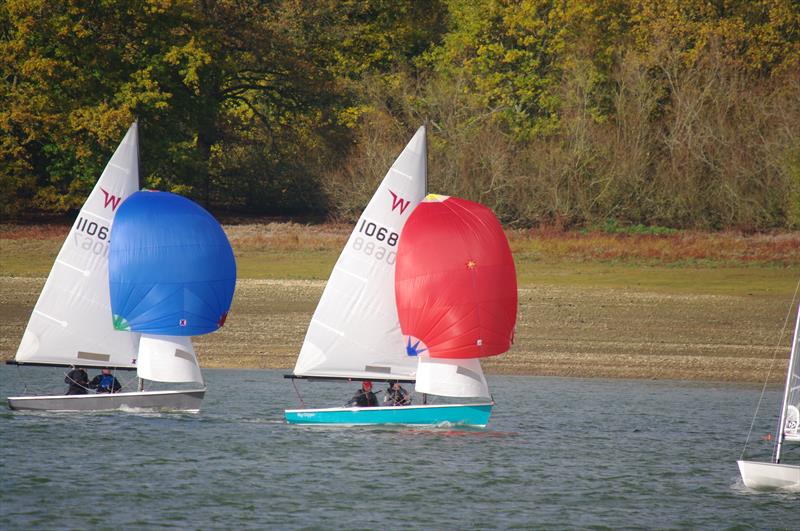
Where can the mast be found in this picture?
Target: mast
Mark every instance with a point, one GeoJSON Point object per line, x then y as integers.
{"type": "Point", "coordinates": [425, 176]}
{"type": "Point", "coordinates": [138, 153]}
{"type": "Point", "coordinates": [789, 373]}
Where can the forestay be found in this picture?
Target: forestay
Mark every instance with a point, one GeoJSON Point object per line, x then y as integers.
{"type": "Point", "coordinates": [355, 331]}
{"type": "Point", "coordinates": [168, 359]}
{"type": "Point", "coordinates": [71, 322]}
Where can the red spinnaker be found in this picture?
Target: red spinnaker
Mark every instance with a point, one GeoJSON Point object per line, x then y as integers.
{"type": "Point", "coordinates": [455, 281]}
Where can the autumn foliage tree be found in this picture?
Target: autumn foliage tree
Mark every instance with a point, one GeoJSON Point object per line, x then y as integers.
{"type": "Point", "coordinates": [681, 113]}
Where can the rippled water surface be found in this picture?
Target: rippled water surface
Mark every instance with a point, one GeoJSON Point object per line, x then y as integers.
{"type": "Point", "coordinates": [558, 453]}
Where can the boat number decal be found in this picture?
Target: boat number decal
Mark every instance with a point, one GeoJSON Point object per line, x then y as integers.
{"type": "Point", "coordinates": [91, 236]}
{"type": "Point", "coordinates": [379, 252]}
{"type": "Point", "coordinates": [92, 228]}
{"type": "Point", "coordinates": [381, 234]}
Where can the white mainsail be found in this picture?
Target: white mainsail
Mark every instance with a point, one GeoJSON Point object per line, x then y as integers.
{"type": "Point", "coordinates": [791, 413]}
{"type": "Point", "coordinates": [71, 322]}
{"type": "Point", "coordinates": [355, 331]}
{"type": "Point", "coordinates": [168, 359]}
{"type": "Point", "coordinates": [451, 377]}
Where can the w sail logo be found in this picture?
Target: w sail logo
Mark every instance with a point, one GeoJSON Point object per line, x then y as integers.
{"type": "Point", "coordinates": [399, 202]}
{"type": "Point", "coordinates": [110, 199]}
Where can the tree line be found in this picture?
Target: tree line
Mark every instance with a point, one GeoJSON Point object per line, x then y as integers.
{"type": "Point", "coordinates": [678, 113]}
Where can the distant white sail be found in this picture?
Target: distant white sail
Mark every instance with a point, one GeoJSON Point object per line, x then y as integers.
{"type": "Point", "coordinates": [71, 322]}
{"type": "Point", "coordinates": [168, 359]}
{"type": "Point", "coordinates": [355, 330]}
{"type": "Point", "coordinates": [451, 377]}
{"type": "Point", "coordinates": [791, 423]}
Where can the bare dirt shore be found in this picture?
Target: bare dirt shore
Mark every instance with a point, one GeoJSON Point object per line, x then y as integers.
{"type": "Point", "coordinates": [561, 331]}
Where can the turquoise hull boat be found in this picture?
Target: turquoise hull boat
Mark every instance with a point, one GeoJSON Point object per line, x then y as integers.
{"type": "Point", "coordinates": [460, 414]}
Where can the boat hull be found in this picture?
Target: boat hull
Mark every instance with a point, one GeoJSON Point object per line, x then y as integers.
{"type": "Point", "coordinates": [757, 475]}
{"type": "Point", "coordinates": [461, 414]}
{"type": "Point", "coordinates": [188, 400]}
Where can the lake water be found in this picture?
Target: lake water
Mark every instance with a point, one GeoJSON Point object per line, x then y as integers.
{"type": "Point", "coordinates": [558, 453]}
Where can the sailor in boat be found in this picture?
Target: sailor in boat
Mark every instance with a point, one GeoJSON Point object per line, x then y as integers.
{"type": "Point", "coordinates": [364, 397]}
{"type": "Point", "coordinates": [396, 396]}
{"type": "Point", "coordinates": [78, 381]}
{"type": "Point", "coordinates": [105, 382]}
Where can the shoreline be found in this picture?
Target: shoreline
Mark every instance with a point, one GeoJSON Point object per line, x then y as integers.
{"type": "Point", "coordinates": [562, 331]}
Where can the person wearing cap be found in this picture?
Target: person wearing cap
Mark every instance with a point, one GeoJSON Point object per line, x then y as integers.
{"type": "Point", "coordinates": [105, 382]}
{"type": "Point", "coordinates": [396, 395]}
{"type": "Point", "coordinates": [78, 380]}
{"type": "Point", "coordinates": [364, 397]}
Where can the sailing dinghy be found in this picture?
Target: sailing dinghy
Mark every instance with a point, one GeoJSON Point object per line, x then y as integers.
{"type": "Point", "coordinates": [774, 474]}
{"type": "Point", "coordinates": [72, 325]}
{"type": "Point", "coordinates": [355, 332]}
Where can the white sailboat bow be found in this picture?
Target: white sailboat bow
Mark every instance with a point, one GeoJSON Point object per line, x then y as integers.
{"type": "Point", "coordinates": [355, 332]}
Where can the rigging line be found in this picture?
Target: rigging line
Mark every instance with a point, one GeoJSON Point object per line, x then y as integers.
{"type": "Point", "coordinates": [769, 372]}
{"type": "Point", "coordinates": [24, 381]}
{"type": "Point", "coordinates": [126, 384]}
{"type": "Point", "coordinates": [122, 386]}
{"type": "Point", "coordinates": [67, 376]}
{"type": "Point", "coordinates": [302, 403]}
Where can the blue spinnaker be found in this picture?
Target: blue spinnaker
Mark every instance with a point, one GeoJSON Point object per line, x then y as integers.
{"type": "Point", "coordinates": [171, 267]}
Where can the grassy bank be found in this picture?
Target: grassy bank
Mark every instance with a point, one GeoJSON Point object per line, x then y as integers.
{"type": "Point", "coordinates": [689, 306]}
{"type": "Point", "coordinates": [679, 262]}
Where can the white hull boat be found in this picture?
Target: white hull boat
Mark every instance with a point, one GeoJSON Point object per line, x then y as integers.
{"type": "Point", "coordinates": [775, 474]}
{"type": "Point", "coordinates": [756, 475]}
{"type": "Point", "coordinates": [156, 305]}
{"type": "Point", "coordinates": [183, 400]}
